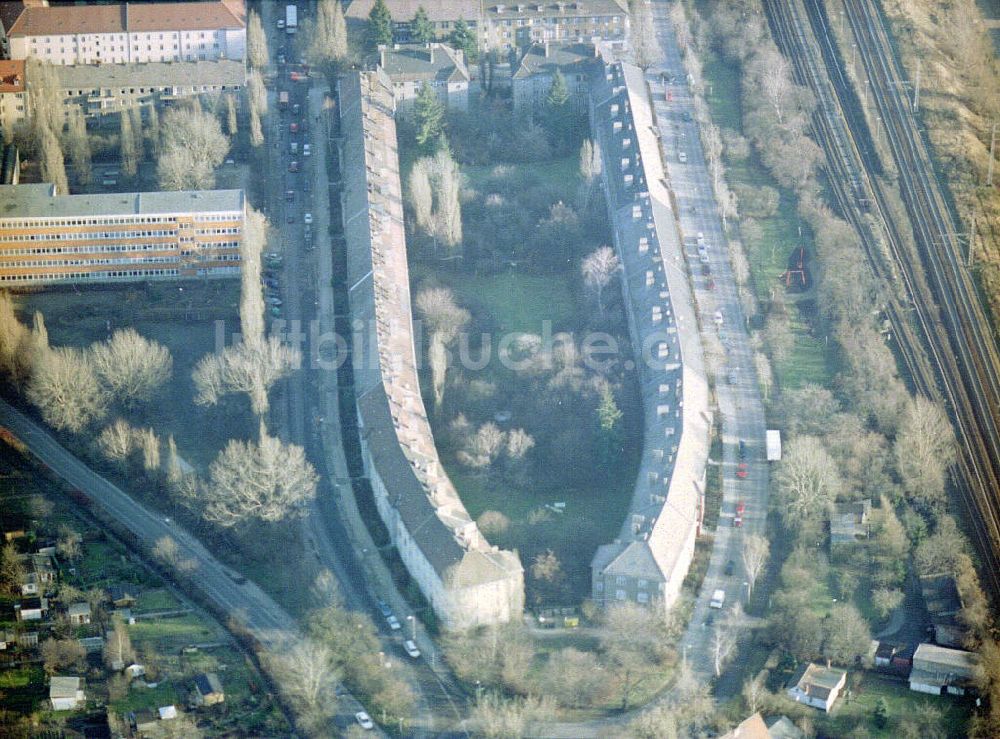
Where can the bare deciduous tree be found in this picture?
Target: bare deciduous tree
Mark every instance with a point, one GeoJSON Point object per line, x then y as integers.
{"type": "Point", "coordinates": [756, 551]}
{"type": "Point", "coordinates": [168, 552]}
{"type": "Point", "coordinates": [193, 146]}
{"type": "Point", "coordinates": [808, 480]}
{"type": "Point", "coordinates": [148, 444]}
{"type": "Point", "coordinates": [546, 567]}
{"type": "Point", "coordinates": [256, 129]}
{"type": "Point", "coordinates": [598, 268]}
{"type": "Point", "coordinates": [232, 124]}
{"type": "Point", "coordinates": [634, 641]}
{"type": "Point", "coordinates": [725, 637]}
{"type": "Point", "coordinates": [255, 233]}
{"type": "Point", "coordinates": [45, 101]}
{"type": "Point", "coordinates": [78, 145]}
{"type": "Point", "coordinates": [326, 40]}
{"type": "Point", "coordinates": [493, 524]}
{"type": "Point", "coordinates": [574, 678]}
{"type": "Point", "coordinates": [250, 367]}
{"type": "Point", "coordinates": [257, 52]}
{"type": "Point", "coordinates": [304, 673]}
{"type": "Point", "coordinates": [645, 47]}
{"type": "Point", "coordinates": [131, 367]}
{"type": "Point", "coordinates": [11, 570]}
{"type": "Point", "coordinates": [118, 652]}
{"type": "Point", "coordinates": [755, 691]}
{"type": "Point", "coordinates": [68, 544]}
{"type": "Point", "coordinates": [66, 390]}
{"type": "Point", "coordinates": [445, 319]}
{"type": "Point", "coordinates": [126, 145]}
{"type": "Point", "coordinates": [447, 179]}
{"type": "Point", "coordinates": [519, 443]}
{"type": "Point", "coordinates": [421, 195]}
{"type": "Point", "coordinates": [59, 654]}
{"type": "Point", "coordinates": [53, 166]}
{"type": "Point", "coordinates": [265, 481]}
{"type": "Point", "coordinates": [497, 717]}
{"type": "Point", "coordinates": [925, 447]}
{"type": "Point", "coordinates": [16, 346]}
{"type": "Point", "coordinates": [257, 92]}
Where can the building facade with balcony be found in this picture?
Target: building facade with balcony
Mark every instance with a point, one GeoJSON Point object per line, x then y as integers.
{"type": "Point", "coordinates": [48, 238]}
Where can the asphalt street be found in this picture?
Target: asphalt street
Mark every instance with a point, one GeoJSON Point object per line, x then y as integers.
{"type": "Point", "coordinates": [309, 416]}
{"type": "Point", "coordinates": [740, 403]}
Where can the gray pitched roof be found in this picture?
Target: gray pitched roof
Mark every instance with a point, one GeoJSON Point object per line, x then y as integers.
{"type": "Point", "coordinates": [575, 58]}
{"type": "Point", "coordinates": [420, 62]}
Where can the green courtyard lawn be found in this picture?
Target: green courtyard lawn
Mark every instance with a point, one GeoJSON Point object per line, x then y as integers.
{"type": "Point", "coordinates": [23, 689]}
{"type": "Point", "coordinates": [156, 599]}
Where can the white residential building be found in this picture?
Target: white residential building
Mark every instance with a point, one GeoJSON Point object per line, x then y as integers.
{"type": "Point", "coordinates": [124, 32]}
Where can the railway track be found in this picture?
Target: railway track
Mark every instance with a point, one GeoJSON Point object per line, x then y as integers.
{"type": "Point", "coordinates": [934, 313]}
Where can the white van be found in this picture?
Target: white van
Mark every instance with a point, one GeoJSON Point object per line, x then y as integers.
{"type": "Point", "coordinates": [718, 598]}
{"type": "Point", "coordinates": [295, 147]}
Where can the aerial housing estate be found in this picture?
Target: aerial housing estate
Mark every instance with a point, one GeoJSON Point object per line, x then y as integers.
{"type": "Point", "coordinates": [649, 559]}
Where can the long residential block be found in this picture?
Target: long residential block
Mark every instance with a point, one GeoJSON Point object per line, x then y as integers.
{"type": "Point", "coordinates": [467, 581]}
{"type": "Point", "coordinates": [507, 25]}
{"type": "Point", "coordinates": [48, 238]}
{"type": "Point", "coordinates": [649, 559]}
{"type": "Point", "coordinates": [118, 33]}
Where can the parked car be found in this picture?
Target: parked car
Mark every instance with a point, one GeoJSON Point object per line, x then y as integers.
{"type": "Point", "coordinates": [393, 622]}
{"type": "Point", "coordinates": [682, 157]}
{"type": "Point", "coordinates": [306, 150]}
{"type": "Point", "coordinates": [411, 648]}
{"type": "Point", "coordinates": [742, 471]}
{"type": "Point", "coordinates": [383, 608]}
{"type": "Point", "coordinates": [730, 568]}
{"type": "Point", "coordinates": [293, 166]}
{"type": "Point", "coordinates": [271, 300]}
{"type": "Point", "coordinates": [741, 450]}
{"type": "Point", "coordinates": [718, 318]}
{"type": "Point", "coordinates": [308, 218]}
{"type": "Point", "coordinates": [364, 720]}
{"type": "Point", "coordinates": [705, 269]}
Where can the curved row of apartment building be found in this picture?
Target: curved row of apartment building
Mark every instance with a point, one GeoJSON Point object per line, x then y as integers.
{"type": "Point", "coordinates": [648, 561]}
{"type": "Point", "coordinates": [467, 581]}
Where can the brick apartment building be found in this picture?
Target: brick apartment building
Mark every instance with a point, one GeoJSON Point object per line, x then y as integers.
{"type": "Point", "coordinates": [124, 32]}
{"type": "Point", "coordinates": [47, 238]}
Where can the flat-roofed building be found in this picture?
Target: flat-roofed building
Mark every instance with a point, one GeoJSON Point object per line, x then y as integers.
{"type": "Point", "coordinates": [48, 238]}
{"type": "Point", "coordinates": [108, 88]}
{"type": "Point", "coordinates": [938, 670]}
{"type": "Point", "coordinates": [124, 32]}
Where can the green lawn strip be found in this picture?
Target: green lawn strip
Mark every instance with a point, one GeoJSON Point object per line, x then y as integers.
{"type": "Point", "coordinates": [562, 174]}
{"type": "Point", "coordinates": [159, 599]}
{"type": "Point", "coordinates": [779, 234]}
{"type": "Point", "coordinates": [141, 699]}
{"type": "Point", "coordinates": [166, 633]}
{"type": "Point", "coordinates": [901, 702]}
{"type": "Point", "coordinates": [516, 302]}
{"type": "Point", "coordinates": [23, 688]}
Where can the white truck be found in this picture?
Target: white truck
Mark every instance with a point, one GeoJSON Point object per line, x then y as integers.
{"type": "Point", "coordinates": [291, 19]}
{"type": "Point", "coordinates": [718, 599]}
{"type": "Point", "coordinates": [773, 439]}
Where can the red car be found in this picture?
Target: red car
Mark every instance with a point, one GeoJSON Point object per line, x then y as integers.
{"type": "Point", "coordinates": [293, 127]}
{"type": "Point", "coordinates": [741, 470]}
{"type": "Point", "coordinates": [738, 518]}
